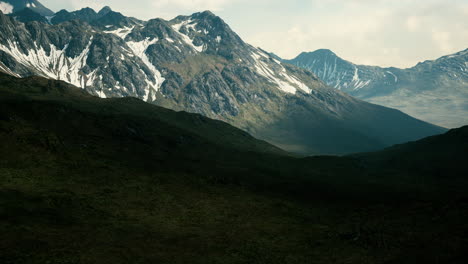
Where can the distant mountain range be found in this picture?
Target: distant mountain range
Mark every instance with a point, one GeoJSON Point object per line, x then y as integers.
{"type": "Point", "coordinates": [434, 91]}
{"type": "Point", "coordinates": [198, 64]}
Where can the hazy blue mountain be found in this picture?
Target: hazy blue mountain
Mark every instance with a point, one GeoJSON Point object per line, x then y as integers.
{"type": "Point", "coordinates": [198, 64]}
{"type": "Point", "coordinates": [434, 91]}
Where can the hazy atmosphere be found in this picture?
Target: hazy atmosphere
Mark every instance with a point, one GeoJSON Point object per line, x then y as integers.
{"type": "Point", "coordinates": [381, 32]}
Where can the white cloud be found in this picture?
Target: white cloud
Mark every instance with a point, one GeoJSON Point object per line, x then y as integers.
{"type": "Point", "coordinates": [380, 32]}
{"type": "Point", "coordinates": [442, 40]}
{"type": "Point", "coordinates": [413, 23]}
{"type": "Point", "coordinates": [6, 8]}
{"type": "Point", "coordinates": [214, 5]}
{"type": "Point", "coordinates": [171, 8]}
{"type": "Point", "coordinates": [94, 4]}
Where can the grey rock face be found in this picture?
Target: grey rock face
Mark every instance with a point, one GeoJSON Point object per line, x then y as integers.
{"type": "Point", "coordinates": [198, 64]}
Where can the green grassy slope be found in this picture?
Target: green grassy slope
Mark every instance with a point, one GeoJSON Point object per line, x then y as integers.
{"type": "Point", "coordinates": [87, 180]}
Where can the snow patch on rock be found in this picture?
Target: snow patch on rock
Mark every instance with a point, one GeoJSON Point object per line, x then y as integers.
{"type": "Point", "coordinates": [121, 32]}
{"type": "Point", "coordinates": [285, 81]}
{"type": "Point", "coordinates": [6, 8]}
{"type": "Point", "coordinates": [394, 76]}
{"type": "Point", "coordinates": [139, 49]}
{"type": "Point", "coordinates": [185, 38]}
{"type": "Point", "coordinates": [54, 64]}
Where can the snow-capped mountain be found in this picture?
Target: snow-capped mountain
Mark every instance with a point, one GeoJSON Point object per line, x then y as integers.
{"type": "Point", "coordinates": [435, 91]}
{"type": "Point", "coordinates": [198, 64]}
{"type": "Point", "coordinates": [13, 6]}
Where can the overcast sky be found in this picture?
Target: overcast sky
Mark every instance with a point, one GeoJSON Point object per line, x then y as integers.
{"type": "Point", "coordinates": [396, 33]}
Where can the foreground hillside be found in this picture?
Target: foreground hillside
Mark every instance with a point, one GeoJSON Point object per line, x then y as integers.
{"type": "Point", "coordinates": [89, 180]}
{"type": "Point", "coordinates": [198, 64]}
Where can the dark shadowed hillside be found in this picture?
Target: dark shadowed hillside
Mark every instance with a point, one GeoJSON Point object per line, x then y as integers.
{"type": "Point", "coordinates": [89, 180]}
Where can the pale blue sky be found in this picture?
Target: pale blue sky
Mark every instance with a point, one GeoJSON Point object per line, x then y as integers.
{"type": "Point", "coordinates": [378, 32]}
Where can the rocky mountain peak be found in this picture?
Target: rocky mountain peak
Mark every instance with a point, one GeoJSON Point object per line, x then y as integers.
{"type": "Point", "coordinates": [87, 10]}
{"type": "Point", "coordinates": [28, 15]}
{"type": "Point", "coordinates": [206, 13]}
{"type": "Point", "coordinates": [210, 21]}
{"type": "Point", "coordinates": [13, 6]}
{"type": "Point", "coordinates": [105, 17]}
{"type": "Point", "coordinates": [112, 19]}
{"type": "Point", "coordinates": [205, 21]}
{"type": "Point", "coordinates": [87, 14]}
{"type": "Point", "coordinates": [62, 16]}
{"type": "Point", "coordinates": [320, 54]}
{"type": "Point", "coordinates": [324, 52]}
{"type": "Point", "coordinates": [211, 35]}
{"type": "Point", "coordinates": [104, 11]}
